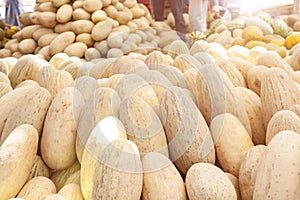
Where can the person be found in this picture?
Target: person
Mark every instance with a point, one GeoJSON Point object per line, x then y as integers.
{"type": "Point", "coordinates": [13, 9]}
{"type": "Point", "coordinates": [146, 3]}
{"type": "Point", "coordinates": [198, 12]}
{"type": "Point", "coordinates": [177, 11]}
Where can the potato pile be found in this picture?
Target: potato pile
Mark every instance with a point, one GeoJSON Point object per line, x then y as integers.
{"type": "Point", "coordinates": [85, 29]}
{"type": "Point", "coordinates": [199, 122]}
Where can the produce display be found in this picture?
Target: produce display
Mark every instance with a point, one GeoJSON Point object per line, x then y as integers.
{"type": "Point", "coordinates": [99, 101]}
{"type": "Point", "coordinates": [6, 32]}
{"type": "Point", "coordinates": [86, 29]}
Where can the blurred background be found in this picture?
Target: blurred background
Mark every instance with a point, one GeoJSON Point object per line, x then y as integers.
{"type": "Point", "coordinates": [238, 6]}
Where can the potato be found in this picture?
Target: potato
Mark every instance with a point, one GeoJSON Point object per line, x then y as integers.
{"type": "Point", "coordinates": [47, 19]}
{"type": "Point", "coordinates": [64, 14]}
{"type": "Point", "coordinates": [101, 30]}
{"type": "Point", "coordinates": [114, 53]}
{"type": "Point", "coordinates": [34, 17]}
{"type": "Point", "coordinates": [58, 3]}
{"type": "Point", "coordinates": [40, 32]}
{"type": "Point", "coordinates": [137, 12]}
{"type": "Point", "coordinates": [47, 39]}
{"type": "Point", "coordinates": [45, 52]}
{"type": "Point", "coordinates": [92, 53]}
{"type": "Point", "coordinates": [17, 36]}
{"type": "Point", "coordinates": [123, 17]}
{"type": "Point", "coordinates": [42, 1]}
{"type": "Point", "coordinates": [86, 38]}
{"type": "Point", "coordinates": [98, 16]}
{"type": "Point", "coordinates": [80, 13]}
{"type": "Point", "coordinates": [106, 2]}
{"type": "Point", "coordinates": [60, 28]}
{"type": "Point", "coordinates": [27, 32]}
{"type": "Point", "coordinates": [82, 26]}
{"type": "Point", "coordinates": [115, 23]}
{"type": "Point", "coordinates": [27, 46]}
{"type": "Point", "coordinates": [111, 11]}
{"type": "Point", "coordinates": [122, 28]}
{"type": "Point", "coordinates": [25, 20]}
{"type": "Point", "coordinates": [5, 53]}
{"type": "Point", "coordinates": [119, 6]}
{"type": "Point", "coordinates": [9, 43]}
{"type": "Point", "coordinates": [102, 47]}
{"type": "Point", "coordinates": [46, 6]}
{"type": "Point", "coordinates": [17, 54]}
{"type": "Point", "coordinates": [115, 40]}
{"type": "Point", "coordinates": [58, 59]}
{"type": "Point", "coordinates": [77, 4]}
{"type": "Point", "coordinates": [61, 42]}
{"type": "Point", "coordinates": [76, 49]}
{"type": "Point", "coordinates": [92, 5]}
{"type": "Point", "coordinates": [129, 3]}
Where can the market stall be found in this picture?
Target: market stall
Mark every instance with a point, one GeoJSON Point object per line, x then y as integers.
{"type": "Point", "coordinates": [100, 101]}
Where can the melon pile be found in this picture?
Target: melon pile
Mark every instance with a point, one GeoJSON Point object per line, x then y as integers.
{"type": "Point", "coordinates": [199, 122]}
{"type": "Point", "coordinates": [117, 107]}
{"type": "Point", "coordinates": [260, 29]}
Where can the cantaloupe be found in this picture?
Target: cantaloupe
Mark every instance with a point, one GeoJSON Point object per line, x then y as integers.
{"type": "Point", "coordinates": [189, 139]}
{"type": "Point", "coordinates": [273, 180]}
{"type": "Point", "coordinates": [127, 172]}
{"type": "Point", "coordinates": [231, 141]}
{"type": "Point", "coordinates": [19, 146]}
{"type": "Point", "coordinates": [199, 186]}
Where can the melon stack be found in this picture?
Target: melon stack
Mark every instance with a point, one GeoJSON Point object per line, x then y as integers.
{"type": "Point", "coordinates": [277, 34]}
{"type": "Point", "coordinates": [184, 123]}
{"type": "Point", "coordinates": [85, 29]}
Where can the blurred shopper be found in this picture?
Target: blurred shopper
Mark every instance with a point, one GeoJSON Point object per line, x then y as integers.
{"type": "Point", "coordinates": [158, 7]}
{"type": "Point", "coordinates": [146, 3]}
{"type": "Point", "coordinates": [13, 9]}
{"type": "Point", "coordinates": [198, 12]}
